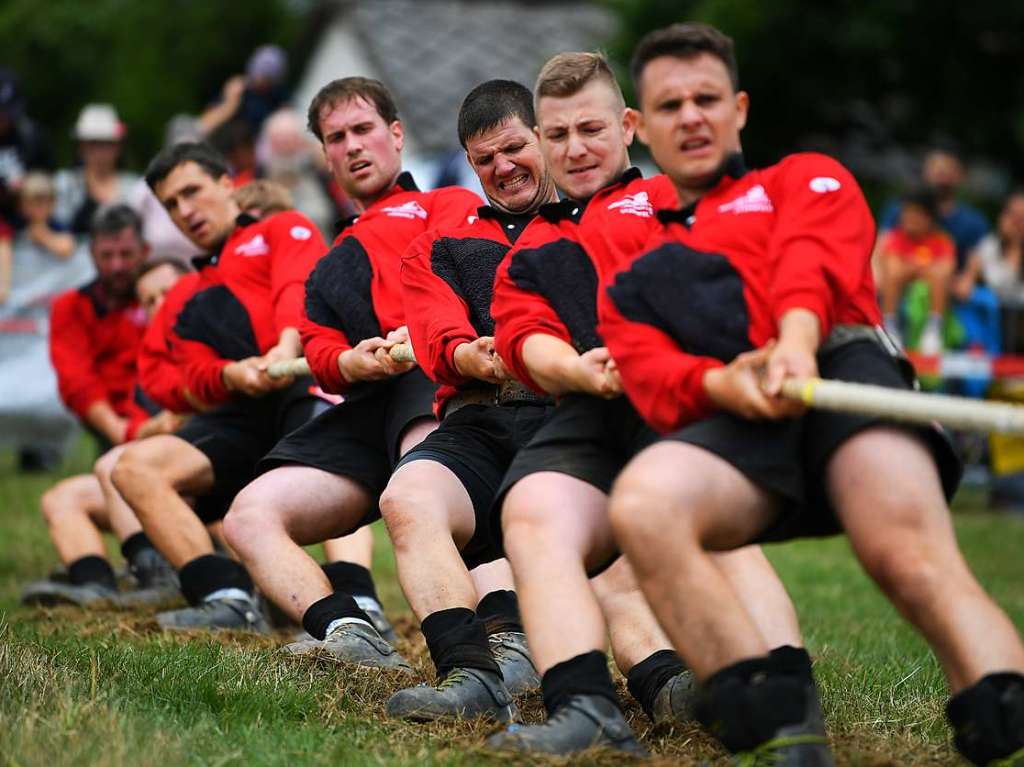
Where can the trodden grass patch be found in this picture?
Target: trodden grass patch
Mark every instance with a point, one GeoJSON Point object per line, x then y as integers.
{"type": "Point", "coordinates": [107, 688]}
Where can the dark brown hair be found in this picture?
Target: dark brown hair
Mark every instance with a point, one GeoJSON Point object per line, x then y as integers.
{"type": "Point", "coordinates": [346, 89]}
{"type": "Point", "coordinates": [684, 41]}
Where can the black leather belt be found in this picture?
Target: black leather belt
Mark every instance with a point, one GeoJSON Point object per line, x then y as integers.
{"type": "Point", "coordinates": [507, 393]}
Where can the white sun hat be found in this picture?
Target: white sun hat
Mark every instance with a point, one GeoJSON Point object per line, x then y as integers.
{"type": "Point", "coordinates": [98, 122]}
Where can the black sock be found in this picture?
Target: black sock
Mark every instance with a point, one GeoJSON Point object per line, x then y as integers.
{"type": "Point", "coordinates": [585, 674]}
{"type": "Point", "coordinates": [350, 578]}
{"type": "Point", "coordinates": [323, 612]}
{"type": "Point", "coordinates": [134, 544]}
{"type": "Point", "coordinates": [499, 610]}
{"type": "Point", "coordinates": [745, 704]}
{"type": "Point", "coordinates": [92, 569]}
{"type": "Point", "coordinates": [645, 680]}
{"type": "Point", "coordinates": [457, 638]}
{"type": "Point", "coordinates": [988, 717]}
{"type": "Point", "coordinates": [212, 572]}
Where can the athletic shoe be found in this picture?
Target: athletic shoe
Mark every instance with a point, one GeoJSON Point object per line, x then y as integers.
{"type": "Point", "coordinates": [380, 621]}
{"type": "Point", "coordinates": [49, 593]}
{"type": "Point", "coordinates": [988, 720]}
{"type": "Point", "coordinates": [156, 582]}
{"type": "Point", "coordinates": [674, 701]}
{"type": "Point", "coordinates": [356, 643]}
{"type": "Point", "coordinates": [510, 650]}
{"type": "Point", "coordinates": [215, 614]}
{"type": "Point", "coordinates": [462, 694]}
{"type": "Point", "coordinates": [931, 339]}
{"type": "Point", "coordinates": [583, 722]}
{"type": "Point", "coordinates": [802, 744]}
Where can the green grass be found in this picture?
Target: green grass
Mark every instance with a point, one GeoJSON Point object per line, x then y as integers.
{"type": "Point", "coordinates": [106, 688]}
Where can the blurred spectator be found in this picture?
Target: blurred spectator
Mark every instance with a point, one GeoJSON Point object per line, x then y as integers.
{"type": "Point", "coordinates": [22, 147]}
{"type": "Point", "coordinates": [943, 173]}
{"type": "Point", "coordinates": [997, 258]}
{"type": "Point", "coordinates": [97, 181]}
{"type": "Point", "coordinates": [254, 96]}
{"type": "Point", "coordinates": [286, 156]}
{"type": "Point", "coordinates": [234, 140]}
{"type": "Point", "coordinates": [44, 262]}
{"type": "Point", "coordinates": [6, 260]}
{"type": "Point", "coordinates": [96, 331]}
{"type": "Point", "coordinates": [917, 249]}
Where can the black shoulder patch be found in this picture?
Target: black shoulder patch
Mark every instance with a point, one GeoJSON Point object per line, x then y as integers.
{"type": "Point", "coordinates": [338, 292]}
{"type": "Point", "coordinates": [468, 266]}
{"type": "Point", "coordinates": [562, 272]}
{"type": "Point", "coordinates": [217, 318]}
{"type": "Point", "coordinates": [695, 297]}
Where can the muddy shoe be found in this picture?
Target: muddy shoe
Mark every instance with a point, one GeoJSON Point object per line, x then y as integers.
{"type": "Point", "coordinates": [463, 694]}
{"type": "Point", "coordinates": [583, 722]}
{"type": "Point", "coordinates": [380, 621]}
{"type": "Point", "coordinates": [155, 579]}
{"type": "Point", "coordinates": [513, 656]}
{"type": "Point", "coordinates": [357, 643]}
{"type": "Point", "coordinates": [51, 593]}
{"type": "Point", "coordinates": [216, 614]}
{"type": "Point", "coordinates": [674, 701]}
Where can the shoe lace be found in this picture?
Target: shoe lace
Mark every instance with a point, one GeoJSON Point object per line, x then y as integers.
{"type": "Point", "coordinates": [768, 753]}
{"type": "Point", "coordinates": [454, 678]}
{"type": "Point", "coordinates": [1016, 759]}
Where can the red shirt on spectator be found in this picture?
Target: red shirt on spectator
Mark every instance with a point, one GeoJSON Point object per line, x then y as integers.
{"type": "Point", "coordinates": [936, 246]}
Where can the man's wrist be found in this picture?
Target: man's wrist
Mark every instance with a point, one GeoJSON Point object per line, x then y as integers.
{"type": "Point", "coordinates": [343, 359]}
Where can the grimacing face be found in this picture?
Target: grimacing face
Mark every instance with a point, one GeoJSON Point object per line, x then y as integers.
{"type": "Point", "coordinates": [508, 161]}
{"type": "Point", "coordinates": [200, 205]}
{"type": "Point", "coordinates": [585, 138]}
{"type": "Point", "coordinates": [363, 152]}
{"type": "Point", "coordinates": [691, 118]}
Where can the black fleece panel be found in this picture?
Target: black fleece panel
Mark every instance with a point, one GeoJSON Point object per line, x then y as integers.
{"type": "Point", "coordinates": [468, 266]}
{"type": "Point", "coordinates": [562, 272]}
{"type": "Point", "coordinates": [217, 318]}
{"type": "Point", "coordinates": [338, 292]}
{"type": "Point", "coordinates": [695, 297]}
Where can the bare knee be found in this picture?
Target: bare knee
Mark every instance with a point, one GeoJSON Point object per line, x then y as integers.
{"type": "Point", "coordinates": [907, 571]}
{"type": "Point", "coordinates": [250, 519]}
{"type": "Point", "coordinates": [104, 465]}
{"type": "Point", "coordinates": [54, 503]}
{"type": "Point", "coordinates": [642, 512]}
{"type": "Point", "coordinates": [134, 474]}
{"type": "Point", "coordinates": [409, 510]}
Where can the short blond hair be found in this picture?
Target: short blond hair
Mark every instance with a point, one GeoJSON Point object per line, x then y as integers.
{"type": "Point", "coordinates": [268, 196]}
{"type": "Point", "coordinates": [566, 74]}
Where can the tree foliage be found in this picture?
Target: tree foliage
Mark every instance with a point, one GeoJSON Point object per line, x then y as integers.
{"type": "Point", "coordinates": [865, 74]}
{"type": "Point", "coordinates": [150, 59]}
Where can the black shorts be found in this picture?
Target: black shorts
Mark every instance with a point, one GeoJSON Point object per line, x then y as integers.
{"type": "Point", "coordinates": [478, 442]}
{"type": "Point", "coordinates": [789, 458]}
{"type": "Point", "coordinates": [588, 438]}
{"type": "Point", "coordinates": [359, 438]}
{"type": "Point", "coordinates": [236, 435]}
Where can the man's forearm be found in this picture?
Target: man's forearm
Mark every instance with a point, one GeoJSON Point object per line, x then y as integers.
{"type": "Point", "coordinates": [800, 327]}
{"type": "Point", "coordinates": [549, 361]}
{"type": "Point", "coordinates": [101, 416]}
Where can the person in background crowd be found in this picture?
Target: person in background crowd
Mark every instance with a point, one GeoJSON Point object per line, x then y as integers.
{"type": "Point", "coordinates": [41, 262]}
{"type": "Point", "coordinates": [254, 96]}
{"type": "Point", "coordinates": [98, 182]}
{"type": "Point", "coordinates": [997, 259]}
{"type": "Point", "coordinates": [234, 139]}
{"type": "Point", "coordinates": [285, 154]}
{"type": "Point", "coordinates": [22, 146]}
{"type": "Point", "coordinates": [917, 249]}
{"type": "Point", "coordinates": [95, 331]}
{"type": "Point", "coordinates": [6, 260]}
{"type": "Point", "coordinates": [262, 198]}
{"type": "Point", "coordinates": [77, 510]}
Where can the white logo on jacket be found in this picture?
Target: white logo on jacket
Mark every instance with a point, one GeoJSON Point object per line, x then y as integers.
{"type": "Point", "coordinates": [638, 204]}
{"type": "Point", "coordinates": [411, 209]}
{"type": "Point", "coordinates": [754, 200]}
{"type": "Point", "coordinates": [824, 184]}
{"type": "Point", "coordinates": [257, 246]}
{"type": "Point", "coordinates": [301, 233]}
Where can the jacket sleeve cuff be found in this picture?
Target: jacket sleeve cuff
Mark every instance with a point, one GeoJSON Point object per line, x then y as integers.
{"type": "Point", "coordinates": [810, 301]}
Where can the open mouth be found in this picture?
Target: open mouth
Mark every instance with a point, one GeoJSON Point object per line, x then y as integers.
{"type": "Point", "coordinates": [197, 228]}
{"type": "Point", "coordinates": [513, 184]}
{"type": "Point", "coordinates": [695, 144]}
{"type": "Point", "coordinates": [358, 165]}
